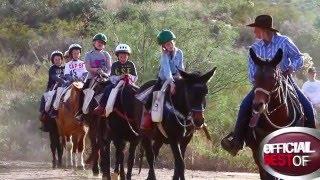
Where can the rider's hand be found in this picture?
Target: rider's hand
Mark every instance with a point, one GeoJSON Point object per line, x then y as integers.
{"type": "Point", "coordinates": [288, 71]}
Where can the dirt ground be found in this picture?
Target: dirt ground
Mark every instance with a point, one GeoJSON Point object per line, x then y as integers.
{"type": "Point", "coordinates": [38, 170]}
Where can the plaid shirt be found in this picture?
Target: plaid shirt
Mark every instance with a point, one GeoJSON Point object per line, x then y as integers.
{"type": "Point", "coordinates": [292, 57]}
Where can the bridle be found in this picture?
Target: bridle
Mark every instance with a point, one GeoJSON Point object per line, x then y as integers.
{"type": "Point", "coordinates": [278, 88]}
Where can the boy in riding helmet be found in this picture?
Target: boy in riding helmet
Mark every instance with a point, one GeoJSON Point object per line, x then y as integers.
{"type": "Point", "coordinates": [171, 59]}
{"type": "Point", "coordinates": [119, 70]}
{"type": "Point", "coordinates": [97, 62]}
{"type": "Point", "coordinates": [55, 76]}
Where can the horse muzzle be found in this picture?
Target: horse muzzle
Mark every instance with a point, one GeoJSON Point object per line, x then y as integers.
{"type": "Point", "coordinates": [259, 108]}
{"type": "Point", "coordinates": [198, 118]}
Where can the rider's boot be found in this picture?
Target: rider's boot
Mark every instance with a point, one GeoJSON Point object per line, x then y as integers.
{"type": "Point", "coordinates": [231, 144]}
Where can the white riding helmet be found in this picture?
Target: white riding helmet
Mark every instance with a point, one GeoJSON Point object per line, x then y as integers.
{"type": "Point", "coordinates": [56, 53]}
{"type": "Point", "coordinates": [123, 48]}
{"type": "Point", "coordinates": [74, 46]}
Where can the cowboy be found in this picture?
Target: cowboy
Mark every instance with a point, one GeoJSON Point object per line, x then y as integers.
{"type": "Point", "coordinates": [269, 40]}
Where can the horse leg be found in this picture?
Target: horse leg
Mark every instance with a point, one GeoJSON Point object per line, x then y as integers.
{"type": "Point", "coordinates": [56, 141]}
{"type": "Point", "coordinates": [69, 147]}
{"type": "Point", "coordinates": [81, 146]}
{"type": "Point", "coordinates": [264, 175]}
{"type": "Point", "coordinates": [179, 166]}
{"type": "Point", "coordinates": [120, 145]}
{"type": "Point", "coordinates": [150, 157]}
{"type": "Point", "coordinates": [74, 150]}
{"type": "Point", "coordinates": [132, 151]}
{"type": "Point", "coordinates": [184, 144]}
{"type": "Point", "coordinates": [60, 152]}
{"type": "Point", "coordinates": [156, 148]}
{"type": "Point", "coordinates": [105, 159]}
{"type": "Point", "coordinates": [53, 148]}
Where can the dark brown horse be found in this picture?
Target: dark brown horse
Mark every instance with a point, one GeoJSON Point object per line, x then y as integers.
{"type": "Point", "coordinates": [95, 124]}
{"type": "Point", "coordinates": [183, 114]}
{"type": "Point", "coordinates": [122, 126]}
{"type": "Point", "coordinates": [55, 144]}
{"type": "Point", "coordinates": [275, 105]}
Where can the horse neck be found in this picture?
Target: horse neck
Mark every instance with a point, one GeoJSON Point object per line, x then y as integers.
{"type": "Point", "coordinates": [179, 99]}
{"type": "Point", "coordinates": [278, 107]}
{"type": "Point", "coordinates": [74, 99]}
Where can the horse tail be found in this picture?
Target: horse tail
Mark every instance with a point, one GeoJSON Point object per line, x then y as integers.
{"type": "Point", "coordinates": [141, 154]}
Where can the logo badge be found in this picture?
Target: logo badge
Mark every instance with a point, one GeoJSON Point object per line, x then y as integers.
{"type": "Point", "coordinates": [291, 153]}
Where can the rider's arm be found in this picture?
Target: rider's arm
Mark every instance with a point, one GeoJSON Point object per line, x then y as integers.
{"type": "Point", "coordinates": [108, 64]}
{"type": "Point", "coordinates": [294, 55]}
{"type": "Point", "coordinates": [181, 60]}
{"type": "Point", "coordinates": [165, 71]}
{"type": "Point", "coordinates": [133, 73]}
{"type": "Point", "coordinates": [251, 69]}
{"type": "Point", "coordinates": [113, 77]}
{"type": "Point", "coordinates": [54, 76]}
{"type": "Point", "coordinates": [88, 65]}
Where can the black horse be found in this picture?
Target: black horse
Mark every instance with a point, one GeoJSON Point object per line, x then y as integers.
{"type": "Point", "coordinates": [55, 144]}
{"type": "Point", "coordinates": [122, 126]}
{"type": "Point", "coordinates": [183, 114]}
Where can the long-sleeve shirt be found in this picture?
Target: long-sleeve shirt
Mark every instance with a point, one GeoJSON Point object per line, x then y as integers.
{"type": "Point", "coordinates": [292, 57]}
{"type": "Point", "coordinates": [118, 69]}
{"type": "Point", "coordinates": [55, 76]}
{"type": "Point", "coordinates": [99, 59]}
{"type": "Point", "coordinates": [75, 69]}
{"type": "Point", "coordinates": [169, 64]}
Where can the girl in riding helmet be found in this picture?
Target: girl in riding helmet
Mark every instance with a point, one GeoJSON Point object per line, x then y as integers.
{"type": "Point", "coordinates": [119, 70]}
{"type": "Point", "coordinates": [75, 69]}
{"type": "Point", "coordinates": [97, 59]}
{"type": "Point", "coordinates": [171, 59]}
{"type": "Point", "coordinates": [97, 62]}
{"type": "Point", "coordinates": [55, 76]}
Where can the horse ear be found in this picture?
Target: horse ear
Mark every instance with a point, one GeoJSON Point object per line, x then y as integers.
{"type": "Point", "coordinates": [206, 77]}
{"type": "Point", "coordinates": [184, 74]}
{"type": "Point", "coordinates": [255, 58]}
{"type": "Point", "coordinates": [277, 58]}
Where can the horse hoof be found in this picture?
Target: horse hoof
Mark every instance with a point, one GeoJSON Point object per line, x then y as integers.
{"type": "Point", "coordinates": [106, 177]}
{"type": "Point", "coordinates": [114, 176]}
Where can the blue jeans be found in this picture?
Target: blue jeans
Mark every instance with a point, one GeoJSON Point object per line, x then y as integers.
{"type": "Point", "coordinates": [245, 112]}
{"type": "Point", "coordinates": [107, 91]}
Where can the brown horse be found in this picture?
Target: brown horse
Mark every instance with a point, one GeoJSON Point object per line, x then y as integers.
{"type": "Point", "coordinates": [275, 105]}
{"type": "Point", "coordinates": [71, 132]}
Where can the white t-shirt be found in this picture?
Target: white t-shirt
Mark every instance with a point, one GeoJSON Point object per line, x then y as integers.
{"type": "Point", "coordinates": [75, 68]}
{"type": "Point", "coordinates": [312, 90]}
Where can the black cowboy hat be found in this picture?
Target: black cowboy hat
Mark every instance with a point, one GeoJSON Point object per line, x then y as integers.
{"type": "Point", "coordinates": [263, 21]}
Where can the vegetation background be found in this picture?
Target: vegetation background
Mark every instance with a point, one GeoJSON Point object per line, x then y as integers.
{"type": "Point", "coordinates": [210, 32]}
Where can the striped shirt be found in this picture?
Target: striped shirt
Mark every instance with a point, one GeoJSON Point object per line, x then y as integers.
{"type": "Point", "coordinates": [292, 57]}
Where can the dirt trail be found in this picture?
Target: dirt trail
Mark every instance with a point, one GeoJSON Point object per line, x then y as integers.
{"type": "Point", "coordinates": [38, 170]}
